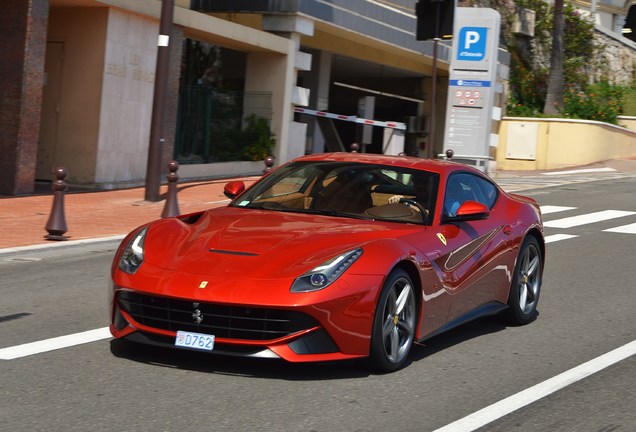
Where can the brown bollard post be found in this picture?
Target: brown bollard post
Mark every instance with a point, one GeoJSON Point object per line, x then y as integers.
{"type": "Point", "coordinates": [269, 163]}
{"type": "Point", "coordinates": [171, 208]}
{"type": "Point", "coordinates": [56, 225]}
{"type": "Point", "coordinates": [355, 147]}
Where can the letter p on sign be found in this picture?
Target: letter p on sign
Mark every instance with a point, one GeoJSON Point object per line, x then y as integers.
{"type": "Point", "coordinates": [472, 43]}
{"type": "Point", "coordinates": [472, 37]}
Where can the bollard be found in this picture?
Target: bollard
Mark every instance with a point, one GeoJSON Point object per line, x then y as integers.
{"type": "Point", "coordinates": [449, 154]}
{"type": "Point", "coordinates": [56, 225]}
{"type": "Point", "coordinates": [171, 208]}
{"type": "Point", "coordinates": [269, 163]}
{"type": "Point", "coordinates": [355, 147]}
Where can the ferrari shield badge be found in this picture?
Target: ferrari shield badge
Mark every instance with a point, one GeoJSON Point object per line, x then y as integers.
{"type": "Point", "coordinates": [203, 284]}
{"type": "Point", "coordinates": [441, 238]}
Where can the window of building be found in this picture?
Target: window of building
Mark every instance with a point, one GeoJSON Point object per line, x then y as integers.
{"type": "Point", "coordinates": [217, 120]}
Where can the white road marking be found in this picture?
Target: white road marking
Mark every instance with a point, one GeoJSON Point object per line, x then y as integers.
{"type": "Point", "coordinates": [530, 395]}
{"type": "Point", "coordinates": [580, 171]}
{"type": "Point", "coordinates": [625, 229]}
{"type": "Point", "coordinates": [558, 237]}
{"type": "Point", "coordinates": [547, 209]}
{"type": "Point", "coordinates": [38, 347]}
{"type": "Point", "coordinates": [588, 218]}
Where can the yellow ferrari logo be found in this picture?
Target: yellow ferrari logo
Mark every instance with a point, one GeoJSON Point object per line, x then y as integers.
{"type": "Point", "coordinates": [441, 238]}
{"type": "Point", "coordinates": [203, 284]}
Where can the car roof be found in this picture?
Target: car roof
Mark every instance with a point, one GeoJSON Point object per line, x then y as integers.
{"type": "Point", "coordinates": [433, 165]}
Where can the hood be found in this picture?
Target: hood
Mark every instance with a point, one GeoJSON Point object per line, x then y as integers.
{"type": "Point", "coordinates": [259, 243]}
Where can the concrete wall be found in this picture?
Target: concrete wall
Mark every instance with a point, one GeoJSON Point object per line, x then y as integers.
{"type": "Point", "coordinates": [82, 31]}
{"type": "Point", "coordinates": [627, 122]}
{"type": "Point", "coordinates": [126, 100]}
{"type": "Point", "coordinates": [539, 144]}
{"type": "Point", "coordinates": [271, 72]}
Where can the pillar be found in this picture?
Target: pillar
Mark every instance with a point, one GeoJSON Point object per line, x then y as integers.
{"type": "Point", "coordinates": [23, 25]}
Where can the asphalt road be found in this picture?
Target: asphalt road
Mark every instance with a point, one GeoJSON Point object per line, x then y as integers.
{"type": "Point", "coordinates": [586, 310]}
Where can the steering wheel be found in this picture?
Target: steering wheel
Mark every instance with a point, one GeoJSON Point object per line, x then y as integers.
{"type": "Point", "coordinates": [423, 211]}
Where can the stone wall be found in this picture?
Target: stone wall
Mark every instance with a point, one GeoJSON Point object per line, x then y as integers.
{"type": "Point", "coordinates": [618, 58]}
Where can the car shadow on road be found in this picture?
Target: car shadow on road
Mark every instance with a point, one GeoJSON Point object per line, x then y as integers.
{"type": "Point", "coordinates": [279, 369]}
{"type": "Point", "coordinates": [236, 366]}
{"type": "Point", "coordinates": [456, 336]}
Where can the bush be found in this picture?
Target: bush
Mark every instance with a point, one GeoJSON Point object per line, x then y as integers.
{"type": "Point", "coordinates": [601, 101]}
{"type": "Point", "coordinates": [530, 57]}
{"type": "Point", "coordinates": [629, 102]}
{"type": "Point", "coordinates": [517, 108]}
{"type": "Point", "coordinates": [258, 138]}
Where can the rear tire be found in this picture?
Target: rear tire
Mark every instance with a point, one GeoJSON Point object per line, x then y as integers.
{"type": "Point", "coordinates": [526, 284]}
{"type": "Point", "coordinates": [394, 323]}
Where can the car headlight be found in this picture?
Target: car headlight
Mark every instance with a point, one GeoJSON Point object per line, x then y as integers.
{"type": "Point", "coordinates": [133, 254]}
{"type": "Point", "coordinates": [326, 273]}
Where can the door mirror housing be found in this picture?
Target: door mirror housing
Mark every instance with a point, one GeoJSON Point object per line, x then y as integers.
{"type": "Point", "coordinates": [234, 189]}
{"type": "Point", "coordinates": [468, 211]}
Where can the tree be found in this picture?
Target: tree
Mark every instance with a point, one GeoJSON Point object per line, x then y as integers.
{"type": "Point", "coordinates": [554, 96]}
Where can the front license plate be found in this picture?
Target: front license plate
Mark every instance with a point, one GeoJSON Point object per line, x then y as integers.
{"type": "Point", "coordinates": [198, 341]}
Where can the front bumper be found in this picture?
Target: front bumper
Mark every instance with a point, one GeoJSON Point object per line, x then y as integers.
{"type": "Point", "coordinates": [328, 328]}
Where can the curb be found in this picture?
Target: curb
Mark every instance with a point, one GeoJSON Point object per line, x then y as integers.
{"type": "Point", "coordinates": [60, 245]}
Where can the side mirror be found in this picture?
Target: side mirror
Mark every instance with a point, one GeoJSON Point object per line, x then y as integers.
{"type": "Point", "coordinates": [234, 189]}
{"type": "Point", "coordinates": [472, 210]}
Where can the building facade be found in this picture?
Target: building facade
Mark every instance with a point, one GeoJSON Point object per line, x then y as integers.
{"type": "Point", "coordinates": [78, 84]}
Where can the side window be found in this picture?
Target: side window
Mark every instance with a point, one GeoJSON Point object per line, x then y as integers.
{"type": "Point", "coordinates": [487, 192]}
{"type": "Point", "coordinates": [463, 187]}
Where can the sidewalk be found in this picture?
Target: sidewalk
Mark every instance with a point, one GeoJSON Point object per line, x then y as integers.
{"type": "Point", "coordinates": [99, 214]}
{"type": "Point", "coordinates": [103, 214]}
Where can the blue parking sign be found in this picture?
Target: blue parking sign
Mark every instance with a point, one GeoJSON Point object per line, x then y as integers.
{"type": "Point", "coordinates": [472, 43]}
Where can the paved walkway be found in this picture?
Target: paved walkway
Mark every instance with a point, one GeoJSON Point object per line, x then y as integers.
{"type": "Point", "coordinates": [104, 214]}
{"type": "Point", "coordinates": [98, 214]}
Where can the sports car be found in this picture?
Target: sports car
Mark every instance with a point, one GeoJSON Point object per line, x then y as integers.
{"type": "Point", "coordinates": [330, 257]}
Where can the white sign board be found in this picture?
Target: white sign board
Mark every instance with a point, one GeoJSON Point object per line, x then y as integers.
{"type": "Point", "coordinates": [472, 81]}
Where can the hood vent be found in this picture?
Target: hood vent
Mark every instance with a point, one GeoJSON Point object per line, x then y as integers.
{"type": "Point", "coordinates": [229, 252]}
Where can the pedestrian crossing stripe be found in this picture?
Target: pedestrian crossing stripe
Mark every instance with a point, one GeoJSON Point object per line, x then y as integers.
{"type": "Point", "coordinates": [579, 171]}
{"type": "Point", "coordinates": [587, 218]}
{"type": "Point", "coordinates": [558, 237]}
{"type": "Point", "coordinates": [547, 209]}
{"type": "Point", "coordinates": [625, 229]}
{"type": "Point", "coordinates": [584, 219]}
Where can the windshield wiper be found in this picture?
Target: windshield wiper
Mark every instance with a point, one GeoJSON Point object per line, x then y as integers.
{"type": "Point", "coordinates": [336, 213]}
{"type": "Point", "coordinates": [282, 208]}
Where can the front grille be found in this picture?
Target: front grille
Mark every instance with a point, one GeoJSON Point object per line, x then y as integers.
{"type": "Point", "coordinates": [223, 321]}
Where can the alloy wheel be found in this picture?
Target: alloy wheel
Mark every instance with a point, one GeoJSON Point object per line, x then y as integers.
{"type": "Point", "coordinates": [398, 325]}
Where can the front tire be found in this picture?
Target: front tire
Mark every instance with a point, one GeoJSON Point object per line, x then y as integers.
{"type": "Point", "coordinates": [526, 284]}
{"type": "Point", "coordinates": [394, 323]}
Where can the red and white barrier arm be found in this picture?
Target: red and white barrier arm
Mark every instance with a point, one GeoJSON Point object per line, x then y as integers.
{"type": "Point", "coordinates": [389, 124]}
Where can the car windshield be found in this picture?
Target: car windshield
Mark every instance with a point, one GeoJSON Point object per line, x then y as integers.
{"type": "Point", "coordinates": [380, 192]}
